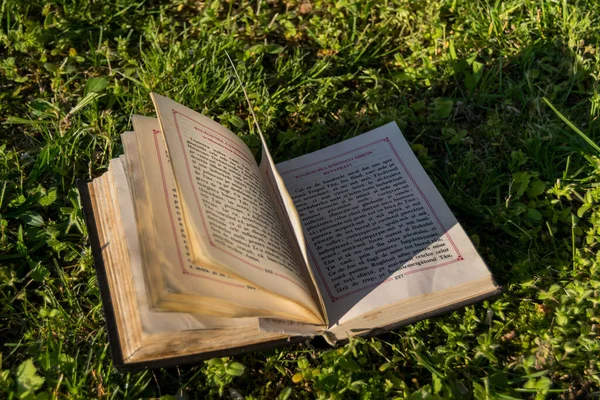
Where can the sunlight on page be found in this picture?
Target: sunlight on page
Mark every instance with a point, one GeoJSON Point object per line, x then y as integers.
{"type": "Point", "coordinates": [153, 321]}
{"type": "Point", "coordinates": [181, 284]}
{"type": "Point", "coordinates": [230, 210]}
{"type": "Point", "coordinates": [377, 229]}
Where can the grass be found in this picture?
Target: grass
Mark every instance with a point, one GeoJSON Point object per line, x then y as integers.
{"type": "Point", "coordinates": [499, 100]}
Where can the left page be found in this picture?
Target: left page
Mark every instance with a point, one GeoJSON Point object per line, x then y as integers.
{"type": "Point", "coordinates": [155, 321]}
{"type": "Point", "coordinates": [175, 283]}
{"type": "Point", "coordinates": [228, 212]}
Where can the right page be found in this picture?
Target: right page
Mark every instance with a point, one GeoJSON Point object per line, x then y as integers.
{"type": "Point", "coordinates": [377, 230]}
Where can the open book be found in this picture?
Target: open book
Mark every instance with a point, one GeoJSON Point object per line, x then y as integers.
{"type": "Point", "coordinates": [203, 252]}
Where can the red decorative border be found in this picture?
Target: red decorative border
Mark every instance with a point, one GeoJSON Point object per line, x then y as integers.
{"type": "Point", "coordinates": [331, 158]}
{"type": "Point", "coordinates": [412, 271]}
{"type": "Point", "coordinates": [173, 227]}
{"type": "Point", "coordinates": [204, 224]}
{"type": "Point", "coordinates": [241, 152]}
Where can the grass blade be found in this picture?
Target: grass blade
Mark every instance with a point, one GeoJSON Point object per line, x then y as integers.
{"type": "Point", "coordinates": [572, 126]}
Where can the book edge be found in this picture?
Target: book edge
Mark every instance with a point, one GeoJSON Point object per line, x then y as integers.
{"type": "Point", "coordinates": [114, 339]}
{"type": "Point", "coordinates": [269, 345]}
{"type": "Point", "coordinates": [195, 358]}
{"type": "Point", "coordinates": [429, 314]}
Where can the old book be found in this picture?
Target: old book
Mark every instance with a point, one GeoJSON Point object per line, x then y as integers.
{"type": "Point", "coordinates": [202, 252]}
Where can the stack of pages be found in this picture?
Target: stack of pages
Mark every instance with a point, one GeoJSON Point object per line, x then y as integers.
{"type": "Point", "coordinates": [203, 252]}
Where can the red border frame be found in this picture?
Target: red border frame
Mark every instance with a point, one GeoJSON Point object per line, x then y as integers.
{"type": "Point", "coordinates": [459, 256]}
{"type": "Point", "coordinates": [173, 227]}
{"type": "Point", "coordinates": [204, 224]}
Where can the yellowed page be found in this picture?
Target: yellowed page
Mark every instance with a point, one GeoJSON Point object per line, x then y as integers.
{"type": "Point", "coordinates": [377, 230]}
{"type": "Point", "coordinates": [159, 241]}
{"type": "Point", "coordinates": [289, 216]}
{"type": "Point", "coordinates": [153, 321]}
{"type": "Point", "coordinates": [231, 217]}
{"type": "Point", "coordinates": [181, 279]}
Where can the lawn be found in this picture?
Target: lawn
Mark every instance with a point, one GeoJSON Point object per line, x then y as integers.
{"type": "Point", "coordinates": [499, 100]}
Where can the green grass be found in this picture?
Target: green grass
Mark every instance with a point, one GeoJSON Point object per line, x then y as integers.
{"type": "Point", "coordinates": [500, 101]}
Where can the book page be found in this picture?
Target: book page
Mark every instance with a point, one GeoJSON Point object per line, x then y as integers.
{"type": "Point", "coordinates": [288, 214]}
{"type": "Point", "coordinates": [184, 285]}
{"type": "Point", "coordinates": [377, 230]}
{"type": "Point", "coordinates": [155, 321]}
{"type": "Point", "coordinates": [228, 212]}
